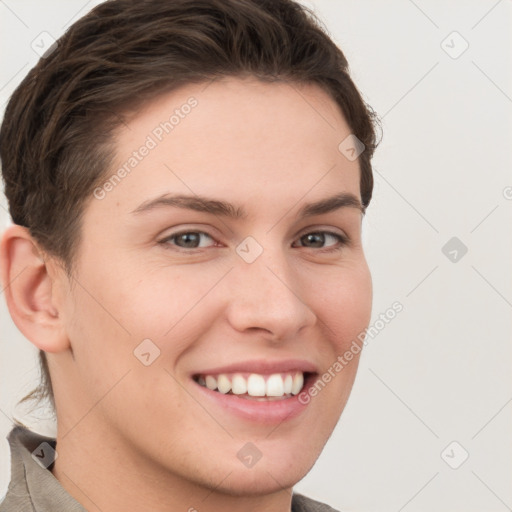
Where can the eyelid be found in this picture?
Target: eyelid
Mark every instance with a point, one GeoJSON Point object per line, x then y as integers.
{"type": "Point", "coordinates": [164, 241]}
{"type": "Point", "coordinates": [343, 239]}
{"type": "Point", "coordinates": [322, 229]}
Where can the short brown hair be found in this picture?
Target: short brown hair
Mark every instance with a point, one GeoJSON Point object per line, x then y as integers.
{"type": "Point", "coordinates": [56, 139]}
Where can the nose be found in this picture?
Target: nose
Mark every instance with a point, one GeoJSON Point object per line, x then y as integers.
{"type": "Point", "coordinates": [266, 296]}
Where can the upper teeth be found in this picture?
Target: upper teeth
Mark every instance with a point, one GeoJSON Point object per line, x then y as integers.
{"type": "Point", "coordinates": [255, 384]}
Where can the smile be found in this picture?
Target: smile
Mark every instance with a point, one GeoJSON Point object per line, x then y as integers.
{"type": "Point", "coordinates": [262, 391]}
{"type": "Point", "coordinates": [255, 386]}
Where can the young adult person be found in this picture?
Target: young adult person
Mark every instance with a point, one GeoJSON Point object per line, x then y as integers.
{"type": "Point", "coordinates": [187, 181]}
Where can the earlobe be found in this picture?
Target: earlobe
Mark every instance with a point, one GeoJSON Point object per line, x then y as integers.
{"type": "Point", "coordinates": [29, 291]}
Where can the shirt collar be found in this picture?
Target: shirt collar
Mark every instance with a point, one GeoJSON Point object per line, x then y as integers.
{"type": "Point", "coordinates": [32, 485]}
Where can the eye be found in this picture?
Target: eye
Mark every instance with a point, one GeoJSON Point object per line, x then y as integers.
{"type": "Point", "coordinates": [317, 239]}
{"type": "Point", "coordinates": [314, 240]}
{"type": "Point", "coordinates": [187, 239]}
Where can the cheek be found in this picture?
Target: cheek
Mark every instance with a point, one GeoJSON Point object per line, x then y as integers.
{"type": "Point", "coordinates": [150, 300]}
{"type": "Point", "coordinates": [344, 303]}
{"type": "Point", "coordinates": [172, 307]}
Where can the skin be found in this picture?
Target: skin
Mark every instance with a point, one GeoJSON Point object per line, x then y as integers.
{"type": "Point", "coordinates": [144, 431]}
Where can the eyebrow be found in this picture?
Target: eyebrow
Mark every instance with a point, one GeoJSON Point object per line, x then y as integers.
{"type": "Point", "coordinates": [225, 209]}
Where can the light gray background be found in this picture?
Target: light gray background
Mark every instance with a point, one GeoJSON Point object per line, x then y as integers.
{"type": "Point", "coordinates": [440, 371]}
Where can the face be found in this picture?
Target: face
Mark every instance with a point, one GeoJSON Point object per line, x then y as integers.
{"type": "Point", "coordinates": [174, 300]}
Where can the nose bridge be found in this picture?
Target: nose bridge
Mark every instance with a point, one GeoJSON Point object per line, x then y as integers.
{"type": "Point", "coordinates": [266, 292]}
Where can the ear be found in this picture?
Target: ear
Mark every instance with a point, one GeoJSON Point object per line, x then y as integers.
{"type": "Point", "coordinates": [30, 290]}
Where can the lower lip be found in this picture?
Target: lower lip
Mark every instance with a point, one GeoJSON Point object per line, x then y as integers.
{"type": "Point", "coordinates": [264, 412]}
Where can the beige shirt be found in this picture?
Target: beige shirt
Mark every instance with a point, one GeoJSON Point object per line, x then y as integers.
{"type": "Point", "coordinates": [33, 488]}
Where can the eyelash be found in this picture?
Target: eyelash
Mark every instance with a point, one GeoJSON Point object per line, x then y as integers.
{"type": "Point", "coordinates": [343, 241]}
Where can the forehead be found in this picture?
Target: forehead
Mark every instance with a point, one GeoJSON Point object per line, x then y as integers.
{"type": "Point", "coordinates": [235, 138]}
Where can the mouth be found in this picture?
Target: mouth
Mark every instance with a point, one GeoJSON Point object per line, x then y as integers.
{"type": "Point", "coordinates": [260, 391]}
{"type": "Point", "coordinates": [255, 386]}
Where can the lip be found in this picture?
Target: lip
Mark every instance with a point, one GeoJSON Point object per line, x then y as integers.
{"type": "Point", "coordinates": [263, 367]}
{"type": "Point", "coordinates": [257, 412]}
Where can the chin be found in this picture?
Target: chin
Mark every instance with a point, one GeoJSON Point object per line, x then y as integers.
{"type": "Point", "coordinates": [267, 477]}
{"type": "Point", "coordinates": [257, 482]}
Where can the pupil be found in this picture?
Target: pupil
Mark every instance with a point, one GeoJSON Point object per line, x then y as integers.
{"type": "Point", "coordinates": [319, 239]}
{"type": "Point", "coordinates": [190, 239]}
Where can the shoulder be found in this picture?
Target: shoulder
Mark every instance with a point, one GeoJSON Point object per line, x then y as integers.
{"type": "Point", "coordinates": [301, 503]}
{"type": "Point", "coordinates": [25, 471]}
{"type": "Point", "coordinates": [32, 486]}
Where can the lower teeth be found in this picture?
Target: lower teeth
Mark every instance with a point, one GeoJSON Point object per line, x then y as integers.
{"type": "Point", "coordinates": [257, 398]}
{"type": "Point", "coordinates": [262, 398]}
